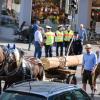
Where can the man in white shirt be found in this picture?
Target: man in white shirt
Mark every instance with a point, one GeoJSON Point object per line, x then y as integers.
{"type": "Point", "coordinates": [38, 41]}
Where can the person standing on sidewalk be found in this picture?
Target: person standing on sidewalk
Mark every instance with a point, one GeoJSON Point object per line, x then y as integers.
{"type": "Point", "coordinates": [82, 37]}
{"type": "Point", "coordinates": [59, 40]}
{"type": "Point", "coordinates": [49, 41]}
{"type": "Point", "coordinates": [33, 29]}
{"type": "Point", "coordinates": [38, 43]}
{"type": "Point", "coordinates": [68, 35]}
{"type": "Point", "coordinates": [88, 67]}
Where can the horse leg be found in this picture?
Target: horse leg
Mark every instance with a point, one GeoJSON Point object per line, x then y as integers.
{"type": "Point", "coordinates": [94, 81]}
{"type": "Point", "coordinates": [95, 76]}
{"type": "Point", "coordinates": [41, 74]}
{"type": "Point", "coordinates": [5, 85]}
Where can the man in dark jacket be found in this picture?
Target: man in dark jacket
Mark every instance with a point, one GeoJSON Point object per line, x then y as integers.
{"type": "Point", "coordinates": [32, 32]}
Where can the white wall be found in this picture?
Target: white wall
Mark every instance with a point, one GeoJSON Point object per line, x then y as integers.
{"type": "Point", "coordinates": [25, 11]}
{"type": "Point", "coordinates": [84, 13]}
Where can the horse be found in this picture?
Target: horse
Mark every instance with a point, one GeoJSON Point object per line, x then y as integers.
{"type": "Point", "coordinates": [18, 68]}
{"type": "Point", "coordinates": [97, 71]}
{"type": "Point", "coordinates": [25, 32]}
{"type": "Point", "coordinates": [2, 64]}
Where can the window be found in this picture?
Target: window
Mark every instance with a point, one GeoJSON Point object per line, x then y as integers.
{"type": "Point", "coordinates": [18, 96]}
{"type": "Point", "coordinates": [80, 95]}
{"type": "Point", "coordinates": [64, 96]}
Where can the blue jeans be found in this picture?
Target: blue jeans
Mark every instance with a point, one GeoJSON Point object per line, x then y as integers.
{"type": "Point", "coordinates": [38, 50]}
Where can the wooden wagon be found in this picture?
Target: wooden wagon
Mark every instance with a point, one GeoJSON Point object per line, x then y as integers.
{"type": "Point", "coordinates": [57, 68]}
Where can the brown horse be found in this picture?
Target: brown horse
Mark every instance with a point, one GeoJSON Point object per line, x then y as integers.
{"type": "Point", "coordinates": [18, 68]}
{"type": "Point", "coordinates": [2, 60]}
{"type": "Point", "coordinates": [2, 64]}
{"type": "Point", "coordinates": [97, 71]}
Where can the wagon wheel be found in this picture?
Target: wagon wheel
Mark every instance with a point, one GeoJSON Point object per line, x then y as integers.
{"type": "Point", "coordinates": [71, 79]}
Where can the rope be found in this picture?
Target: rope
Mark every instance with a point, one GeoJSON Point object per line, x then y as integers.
{"type": "Point", "coordinates": [70, 46]}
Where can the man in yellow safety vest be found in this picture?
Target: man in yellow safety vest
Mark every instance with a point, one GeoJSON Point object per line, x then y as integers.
{"type": "Point", "coordinates": [68, 35]}
{"type": "Point", "coordinates": [59, 40]}
{"type": "Point", "coordinates": [49, 36]}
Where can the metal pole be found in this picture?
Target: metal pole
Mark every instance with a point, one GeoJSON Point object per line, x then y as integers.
{"type": "Point", "coordinates": [67, 7]}
{"type": "Point", "coordinates": [60, 4]}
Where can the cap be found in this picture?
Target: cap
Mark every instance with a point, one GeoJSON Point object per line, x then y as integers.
{"type": "Point", "coordinates": [60, 26]}
{"type": "Point", "coordinates": [88, 46]}
{"type": "Point", "coordinates": [49, 27]}
{"type": "Point", "coordinates": [66, 25]}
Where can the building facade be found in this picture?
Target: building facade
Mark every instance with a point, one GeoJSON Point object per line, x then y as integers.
{"type": "Point", "coordinates": [85, 9]}
{"type": "Point", "coordinates": [88, 10]}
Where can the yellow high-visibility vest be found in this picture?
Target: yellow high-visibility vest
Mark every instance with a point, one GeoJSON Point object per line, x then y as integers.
{"type": "Point", "coordinates": [49, 38]}
{"type": "Point", "coordinates": [59, 36]}
{"type": "Point", "coordinates": [68, 35]}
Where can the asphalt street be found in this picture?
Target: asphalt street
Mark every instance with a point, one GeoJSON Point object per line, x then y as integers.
{"type": "Point", "coordinates": [7, 36]}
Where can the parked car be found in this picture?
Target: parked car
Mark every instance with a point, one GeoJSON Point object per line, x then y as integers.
{"type": "Point", "coordinates": [6, 18]}
{"type": "Point", "coordinates": [39, 90]}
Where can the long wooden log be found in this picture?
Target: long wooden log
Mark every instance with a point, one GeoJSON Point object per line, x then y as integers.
{"type": "Point", "coordinates": [55, 62]}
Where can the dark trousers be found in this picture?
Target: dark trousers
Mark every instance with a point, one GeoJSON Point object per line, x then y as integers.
{"type": "Point", "coordinates": [77, 47]}
{"type": "Point", "coordinates": [81, 48]}
{"type": "Point", "coordinates": [87, 77]}
{"type": "Point", "coordinates": [31, 38]}
{"type": "Point", "coordinates": [59, 45]}
{"type": "Point", "coordinates": [66, 46]}
{"type": "Point", "coordinates": [48, 51]}
{"type": "Point", "coordinates": [38, 50]}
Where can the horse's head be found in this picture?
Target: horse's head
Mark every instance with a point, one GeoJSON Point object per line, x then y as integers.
{"type": "Point", "coordinates": [13, 59]}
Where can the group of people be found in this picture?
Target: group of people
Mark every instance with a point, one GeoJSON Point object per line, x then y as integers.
{"type": "Point", "coordinates": [61, 38]}
{"type": "Point", "coordinates": [66, 38]}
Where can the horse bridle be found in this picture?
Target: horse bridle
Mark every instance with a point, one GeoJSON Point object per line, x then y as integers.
{"type": "Point", "coordinates": [12, 72]}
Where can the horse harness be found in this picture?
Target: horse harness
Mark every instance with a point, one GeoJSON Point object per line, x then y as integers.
{"type": "Point", "coordinates": [2, 64]}
{"type": "Point", "coordinates": [26, 69]}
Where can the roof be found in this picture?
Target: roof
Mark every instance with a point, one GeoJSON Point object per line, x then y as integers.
{"type": "Point", "coordinates": [41, 88]}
